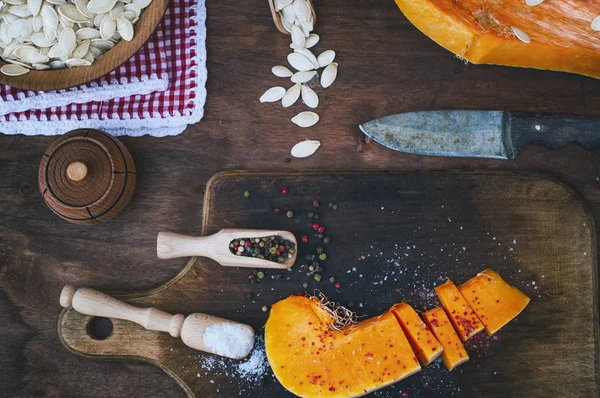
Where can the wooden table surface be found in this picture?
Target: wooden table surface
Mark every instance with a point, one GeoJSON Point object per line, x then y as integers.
{"type": "Point", "coordinates": [386, 66]}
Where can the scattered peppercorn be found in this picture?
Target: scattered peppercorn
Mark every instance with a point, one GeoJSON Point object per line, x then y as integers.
{"type": "Point", "coordinates": [277, 210]}
{"type": "Point", "coordinates": [316, 216]}
{"type": "Point", "coordinates": [260, 274]}
{"type": "Point", "coordinates": [320, 236]}
{"type": "Point", "coordinates": [249, 296]}
{"type": "Point", "coordinates": [332, 279]}
{"type": "Point", "coordinates": [310, 214]}
{"type": "Point", "coordinates": [265, 308]}
{"type": "Point", "coordinates": [317, 277]}
{"type": "Point", "coordinates": [315, 226]}
{"type": "Point", "coordinates": [330, 205]}
{"type": "Point", "coordinates": [321, 229]}
{"type": "Point", "coordinates": [338, 285]}
{"type": "Point", "coordinates": [246, 194]}
{"type": "Point", "coordinates": [320, 250]}
{"type": "Point", "coordinates": [284, 190]}
{"type": "Point", "coordinates": [315, 203]}
{"type": "Point", "coordinates": [334, 207]}
{"type": "Point", "coordinates": [323, 257]}
{"type": "Point", "coordinates": [289, 214]}
{"type": "Point", "coordinates": [304, 239]}
{"type": "Point", "coordinates": [326, 240]}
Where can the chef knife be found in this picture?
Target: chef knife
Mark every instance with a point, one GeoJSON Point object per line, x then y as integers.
{"type": "Point", "coordinates": [479, 134]}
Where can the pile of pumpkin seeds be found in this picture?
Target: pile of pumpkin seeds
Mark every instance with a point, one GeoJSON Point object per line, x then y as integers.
{"type": "Point", "coordinates": [297, 17]}
{"type": "Point", "coordinates": [54, 34]}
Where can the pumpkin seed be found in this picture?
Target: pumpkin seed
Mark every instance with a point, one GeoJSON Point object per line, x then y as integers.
{"type": "Point", "coordinates": [306, 148]}
{"type": "Point", "coordinates": [329, 74]}
{"type": "Point", "coordinates": [55, 51]}
{"type": "Point", "coordinates": [117, 10]}
{"type": "Point", "coordinates": [30, 54]}
{"type": "Point", "coordinates": [130, 15]}
{"type": "Point", "coordinates": [596, 23]}
{"type": "Point", "coordinates": [49, 16]}
{"type": "Point", "coordinates": [312, 40]}
{"type": "Point", "coordinates": [21, 10]}
{"type": "Point", "coordinates": [37, 23]}
{"type": "Point", "coordinates": [56, 2]}
{"type": "Point", "coordinates": [306, 27]}
{"type": "Point", "coordinates": [125, 28]}
{"type": "Point", "coordinates": [288, 14]}
{"type": "Point", "coordinates": [308, 54]}
{"type": "Point", "coordinates": [71, 13]}
{"type": "Point", "coordinates": [302, 10]}
{"type": "Point", "coordinates": [38, 66]}
{"type": "Point", "coordinates": [273, 94]}
{"type": "Point", "coordinates": [524, 37]}
{"type": "Point", "coordinates": [325, 58]}
{"type": "Point", "coordinates": [102, 44]}
{"type": "Point", "coordinates": [13, 70]}
{"type": "Point", "coordinates": [133, 8]}
{"type": "Point", "coordinates": [298, 39]}
{"type": "Point", "coordinates": [280, 4]}
{"type": "Point", "coordinates": [15, 2]}
{"type": "Point", "coordinates": [71, 62]}
{"type": "Point", "coordinates": [309, 97]}
{"type": "Point", "coordinates": [291, 96]}
{"type": "Point", "coordinates": [87, 33]}
{"type": "Point", "coordinates": [35, 6]}
{"type": "Point", "coordinates": [82, 8]}
{"type": "Point", "coordinates": [56, 65]}
{"type": "Point", "coordinates": [40, 40]}
{"type": "Point", "coordinates": [305, 119]}
{"type": "Point", "coordinates": [533, 2]}
{"type": "Point", "coordinates": [281, 71]}
{"type": "Point", "coordinates": [108, 27]}
{"type": "Point", "coordinates": [303, 77]}
{"type": "Point", "coordinates": [287, 25]}
{"type": "Point", "coordinates": [300, 62]}
{"type": "Point", "coordinates": [81, 49]}
{"type": "Point", "coordinates": [67, 41]}
{"type": "Point", "coordinates": [101, 6]}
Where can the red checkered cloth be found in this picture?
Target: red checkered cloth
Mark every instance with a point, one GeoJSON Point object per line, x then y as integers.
{"type": "Point", "coordinates": [159, 91]}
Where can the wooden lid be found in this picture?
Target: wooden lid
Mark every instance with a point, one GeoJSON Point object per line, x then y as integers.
{"type": "Point", "coordinates": [87, 176]}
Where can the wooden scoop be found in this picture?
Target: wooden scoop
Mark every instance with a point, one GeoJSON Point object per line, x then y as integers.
{"type": "Point", "coordinates": [191, 329]}
{"type": "Point", "coordinates": [216, 247]}
{"type": "Point", "coordinates": [277, 17]}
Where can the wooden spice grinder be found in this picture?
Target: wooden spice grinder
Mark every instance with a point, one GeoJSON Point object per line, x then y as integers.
{"type": "Point", "coordinates": [87, 176]}
{"type": "Point", "coordinates": [190, 328]}
{"type": "Point", "coordinates": [216, 247]}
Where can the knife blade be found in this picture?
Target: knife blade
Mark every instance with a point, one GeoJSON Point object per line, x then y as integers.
{"type": "Point", "coordinates": [479, 134]}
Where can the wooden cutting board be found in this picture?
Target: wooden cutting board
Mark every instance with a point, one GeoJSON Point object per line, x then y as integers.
{"type": "Point", "coordinates": [394, 237]}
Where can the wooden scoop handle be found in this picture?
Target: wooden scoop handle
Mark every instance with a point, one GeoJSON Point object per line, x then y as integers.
{"type": "Point", "coordinates": [95, 303]}
{"type": "Point", "coordinates": [172, 245]}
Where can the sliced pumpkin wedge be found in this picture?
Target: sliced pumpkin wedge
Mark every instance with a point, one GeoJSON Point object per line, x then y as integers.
{"type": "Point", "coordinates": [424, 343]}
{"type": "Point", "coordinates": [311, 360]}
{"type": "Point", "coordinates": [461, 314]}
{"type": "Point", "coordinates": [494, 301]}
{"type": "Point", "coordinates": [554, 35]}
{"type": "Point", "coordinates": [454, 353]}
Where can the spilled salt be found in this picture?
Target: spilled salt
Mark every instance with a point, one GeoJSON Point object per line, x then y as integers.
{"type": "Point", "coordinates": [229, 339]}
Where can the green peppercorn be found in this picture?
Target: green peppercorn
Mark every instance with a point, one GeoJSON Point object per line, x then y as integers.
{"type": "Point", "coordinates": [273, 250]}
{"type": "Point", "coordinates": [323, 257]}
{"type": "Point", "coordinates": [320, 250]}
{"type": "Point", "coordinates": [260, 274]}
{"type": "Point", "coordinates": [317, 277]}
{"type": "Point", "coordinates": [246, 194]}
{"type": "Point", "coordinates": [280, 259]}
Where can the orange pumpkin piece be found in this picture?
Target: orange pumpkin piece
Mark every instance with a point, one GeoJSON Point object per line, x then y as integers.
{"type": "Point", "coordinates": [557, 34]}
{"type": "Point", "coordinates": [461, 314]}
{"type": "Point", "coordinates": [494, 301]}
{"type": "Point", "coordinates": [311, 360]}
{"type": "Point", "coordinates": [421, 339]}
{"type": "Point", "coordinates": [454, 353]}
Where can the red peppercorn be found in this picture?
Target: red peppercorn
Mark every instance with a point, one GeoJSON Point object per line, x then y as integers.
{"type": "Point", "coordinates": [315, 203]}
{"type": "Point", "coordinates": [250, 276]}
{"type": "Point", "coordinates": [277, 210]}
{"type": "Point", "coordinates": [304, 239]}
{"type": "Point", "coordinates": [247, 243]}
{"type": "Point", "coordinates": [338, 285]}
{"type": "Point", "coordinates": [321, 230]}
{"type": "Point", "coordinates": [282, 248]}
{"type": "Point", "coordinates": [284, 190]}
{"type": "Point", "coordinates": [277, 253]}
{"type": "Point", "coordinates": [315, 226]}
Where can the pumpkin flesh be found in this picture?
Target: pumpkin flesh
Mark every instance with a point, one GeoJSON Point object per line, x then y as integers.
{"type": "Point", "coordinates": [480, 31]}
{"type": "Point", "coordinates": [461, 314]}
{"type": "Point", "coordinates": [424, 343]}
{"type": "Point", "coordinates": [311, 360]}
{"type": "Point", "coordinates": [494, 301]}
{"type": "Point", "coordinates": [454, 353]}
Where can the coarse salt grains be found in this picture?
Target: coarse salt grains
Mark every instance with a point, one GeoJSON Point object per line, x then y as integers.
{"type": "Point", "coordinates": [230, 340]}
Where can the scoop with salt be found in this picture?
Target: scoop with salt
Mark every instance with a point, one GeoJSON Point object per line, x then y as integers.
{"type": "Point", "coordinates": [199, 331]}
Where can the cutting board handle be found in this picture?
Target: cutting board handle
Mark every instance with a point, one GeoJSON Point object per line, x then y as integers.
{"type": "Point", "coordinates": [95, 303]}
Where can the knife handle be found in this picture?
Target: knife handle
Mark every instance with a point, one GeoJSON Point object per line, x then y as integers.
{"type": "Point", "coordinates": [554, 131]}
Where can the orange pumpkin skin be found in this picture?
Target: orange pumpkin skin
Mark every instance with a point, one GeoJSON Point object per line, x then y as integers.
{"type": "Point", "coordinates": [481, 32]}
{"type": "Point", "coordinates": [454, 353]}
{"type": "Point", "coordinates": [461, 314]}
{"type": "Point", "coordinates": [494, 301]}
{"type": "Point", "coordinates": [311, 360]}
{"type": "Point", "coordinates": [423, 342]}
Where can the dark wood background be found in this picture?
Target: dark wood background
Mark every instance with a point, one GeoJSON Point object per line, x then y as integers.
{"type": "Point", "coordinates": [386, 66]}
